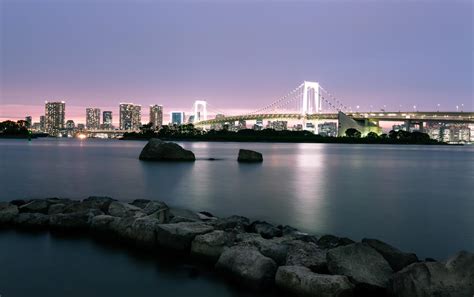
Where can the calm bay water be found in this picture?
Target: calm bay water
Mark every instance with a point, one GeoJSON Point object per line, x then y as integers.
{"type": "Point", "coordinates": [418, 198]}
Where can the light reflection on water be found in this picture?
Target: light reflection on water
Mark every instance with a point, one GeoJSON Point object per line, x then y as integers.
{"type": "Point", "coordinates": [418, 198]}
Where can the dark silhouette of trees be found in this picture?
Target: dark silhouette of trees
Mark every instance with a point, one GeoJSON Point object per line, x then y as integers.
{"type": "Point", "coordinates": [353, 133]}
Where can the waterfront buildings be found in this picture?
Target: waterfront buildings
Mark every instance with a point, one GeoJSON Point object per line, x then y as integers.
{"type": "Point", "coordinates": [42, 123]}
{"type": "Point", "coordinates": [54, 117]}
{"type": "Point", "coordinates": [277, 125]}
{"type": "Point", "coordinates": [92, 118]}
{"type": "Point", "coordinates": [130, 116]}
{"type": "Point", "coordinates": [328, 129]}
{"type": "Point", "coordinates": [107, 120]}
{"type": "Point", "coordinates": [70, 125]}
{"type": "Point", "coordinates": [156, 116]}
{"type": "Point", "coordinates": [177, 117]}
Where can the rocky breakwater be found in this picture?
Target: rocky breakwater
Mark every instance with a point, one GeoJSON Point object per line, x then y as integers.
{"type": "Point", "coordinates": [256, 254]}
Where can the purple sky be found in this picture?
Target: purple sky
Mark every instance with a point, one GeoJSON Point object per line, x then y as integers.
{"type": "Point", "coordinates": [237, 55]}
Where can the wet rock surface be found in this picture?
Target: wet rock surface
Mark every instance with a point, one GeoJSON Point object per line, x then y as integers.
{"type": "Point", "coordinates": [158, 150]}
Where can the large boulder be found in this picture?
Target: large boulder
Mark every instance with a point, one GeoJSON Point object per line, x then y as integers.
{"type": "Point", "coordinates": [331, 241]}
{"type": "Point", "coordinates": [142, 203]}
{"type": "Point", "coordinates": [36, 205]}
{"type": "Point", "coordinates": [178, 215]}
{"type": "Point", "coordinates": [247, 265]}
{"type": "Point", "coordinates": [396, 258]}
{"type": "Point", "coordinates": [32, 220]}
{"type": "Point", "coordinates": [157, 150]}
{"type": "Point", "coordinates": [249, 156]}
{"type": "Point", "coordinates": [143, 231]}
{"type": "Point", "coordinates": [73, 221]}
{"type": "Point", "coordinates": [276, 248]}
{"type": "Point", "coordinates": [99, 202]}
{"type": "Point", "coordinates": [455, 278]}
{"type": "Point", "coordinates": [265, 229]}
{"type": "Point", "coordinates": [361, 263]}
{"type": "Point", "coordinates": [211, 245]}
{"type": "Point", "coordinates": [237, 223]}
{"type": "Point", "coordinates": [179, 236]}
{"type": "Point", "coordinates": [306, 254]}
{"type": "Point", "coordinates": [102, 224]}
{"type": "Point", "coordinates": [123, 210]}
{"type": "Point", "coordinates": [301, 281]}
{"type": "Point", "coordinates": [7, 212]}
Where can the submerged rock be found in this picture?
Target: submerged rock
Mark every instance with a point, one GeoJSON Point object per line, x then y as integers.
{"type": "Point", "coordinates": [249, 156]}
{"type": "Point", "coordinates": [247, 265]}
{"type": "Point", "coordinates": [453, 279]}
{"type": "Point", "coordinates": [158, 150]}
{"type": "Point", "coordinates": [396, 258]}
{"type": "Point", "coordinates": [361, 263]}
{"type": "Point", "coordinates": [300, 281]}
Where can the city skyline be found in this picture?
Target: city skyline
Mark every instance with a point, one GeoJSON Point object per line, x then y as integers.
{"type": "Point", "coordinates": [235, 66]}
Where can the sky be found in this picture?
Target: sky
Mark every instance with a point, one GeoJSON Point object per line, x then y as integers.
{"type": "Point", "coordinates": [237, 55]}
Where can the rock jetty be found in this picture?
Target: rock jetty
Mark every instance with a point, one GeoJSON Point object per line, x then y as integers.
{"type": "Point", "coordinates": [257, 254]}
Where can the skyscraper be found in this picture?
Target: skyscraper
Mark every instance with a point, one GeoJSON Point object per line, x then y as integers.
{"type": "Point", "coordinates": [54, 117]}
{"type": "Point", "coordinates": [107, 119]}
{"type": "Point", "coordinates": [130, 116]}
{"type": "Point", "coordinates": [177, 117]}
{"type": "Point", "coordinates": [92, 118]}
{"type": "Point", "coordinates": [42, 123]}
{"type": "Point", "coordinates": [28, 120]}
{"type": "Point", "coordinates": [156, 116]}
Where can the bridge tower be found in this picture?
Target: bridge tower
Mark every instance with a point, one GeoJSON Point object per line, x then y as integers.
{"type": "Point", "coordinates": [200, 111]}
{"type": "Point", "coordinates": [311, 98]}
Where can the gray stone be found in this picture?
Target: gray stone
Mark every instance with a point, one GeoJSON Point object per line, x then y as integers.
{"type": "Point", "coordinates": [306, 254]}
{"type": "Point", "coordinates": [233, 222]}
{"type": "Point", "coordinates": [453, 279]}
{"type": "Point", "coordinates": [300, 281]}
{"type": "Point", "coordinates": [144, 231]}
{"type": "Point", "coordinates": [157, 150]}
{"type": "Point", "coordinates": [247, 265]}
{"type": "Point", "coordinates": [178, 215]}
{"type": "Point", "coordinates": [99, 202]}
{"type": "Point", "coordinates": [265, 229]}
{"type": "Point", "coordinates": [102, 223]}
{"type": "Point", "coordinates": [331, 241]}
{"type": "Point", "coordinates": [73, 221]}
{"type": "Point", "coordinates": [212, 244]}
{"type": "Point", "coordinates": [179, 236]}
{"type": "Point", "coordinates": [123, 210]}
{"type": "Point", "coordinates": [276, 248]}
{"type": "Point", "coordinates": [7, 212]}
{"type": "Point", "coordinates": [249, 156]}
{"type": "Point", "coordinates": [56, 208]}
{"type": "Point", "coordinates": [396, 258]}
{"type": "Point", "coordinates": [142, 203]}
{"type": "Point", "coordinates": [36, 205]}
{"type": "Point", "coordinates": [32, 220]}
{"type": "Point", "coordinates": [361, 263]}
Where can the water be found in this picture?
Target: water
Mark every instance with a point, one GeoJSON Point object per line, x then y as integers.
{"type": "Point", "coordinates": [418, 198]}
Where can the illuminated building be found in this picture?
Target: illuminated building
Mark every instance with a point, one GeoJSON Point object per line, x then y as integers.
{"type": "Point", "coordinates": [54, 117]}
{"type": "Point", "coordinates": [92, 118]}
{"type": "Point", "coordinates": [156, 116]}
{"type": "Point", "coordinates": [130, 116]}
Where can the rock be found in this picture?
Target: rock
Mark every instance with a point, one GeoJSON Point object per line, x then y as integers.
{"type": "Point", "coordinates": [32, 220]}
{"type": "Point", "coordinates": [36, 205]}
{"type": "Point", "coordinates": [157, 150]}
{"type": "Point", "coordinates": [249, 156]}
{"type": "Point", "coordinates": [7, 212]}
{"type": "Point", "coordinates": [180, 235]}
{"type": "Point", "coordinates": [178, 215]}
{"type": "Point", "coordinates": [331, 241]}
{"type": "Point", "coordinates": [300, 281]}
{"type": "Point", "coordinates": [276, 248]}
{"type": "Point", "coordinates": [233, 222]}
{"type": "Point", "coordinates": [122, 210]}
{"type": "Point", "coordinates": [140, 202]}
{"type": "Point", "coordinates": [212, 244]}
{"type": "Point", "coordinates": [396, 258]}
{"type": "Point", "coordinates": [102, 223]}
{"type": "Point", "coordinates": [122, 228]}
{"type": "Point", "coordinates": [56, 208]}
{"type": "Point", "coordinates": [99, 202]}
{"type": "Point", "coordinates": [58, 201]}
{"type": "Point", "coordinates": [18, 202]}
{"type": "Point", "coordinates": [306, 254]}
{"type": "Point", "coordinates": [361, 263]}
{"type": "Point", "coordinates": [265, 229]}
{"type": "Point", "coordinates": [204, 217]}
{"type": "Point", "coordinates": [453, 279]}
{"type": "Point", "coordinates": [144, 231]}
{"type": "Point", "coordinates": [73, 221]}
{"type": "Point", "coordinates": [248, 266]}
{"type": "Point", "coordinates": [158, 210]}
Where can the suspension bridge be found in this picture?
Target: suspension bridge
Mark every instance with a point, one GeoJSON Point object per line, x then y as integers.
{"type": "Point", "coordinates": [309, 101]}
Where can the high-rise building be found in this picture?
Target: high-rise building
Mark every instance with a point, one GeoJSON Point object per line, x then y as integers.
{"type": "Point", "coordinates": [130, 116]}
{"type": "Point", "coordinates": [29, 121]}
{"type": "Point", "coordinates": [42, 123]}
{"type": "Point", "coordinates": [107, 120]}
{"type": "Point", "coordinates": [156, 116]}
{"type": "Point", "coordinates": [177, 117]}
{"type": "Point", "coordinates": [70, 125]}
{"type": "Point", "coordinates": [54, 117]}
{"type": "Point", "coordinates": [92, 118]}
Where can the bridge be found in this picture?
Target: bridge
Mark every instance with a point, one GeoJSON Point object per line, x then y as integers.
{"type": "Point", "coordinates": [311, 102]}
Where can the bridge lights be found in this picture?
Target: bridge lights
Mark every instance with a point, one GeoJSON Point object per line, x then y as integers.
{"type": "Point", "coordinates": [457, 108]}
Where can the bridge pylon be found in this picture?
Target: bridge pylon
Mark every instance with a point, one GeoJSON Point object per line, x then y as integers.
{"type": "Point", "coordinates": [311, 98]}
